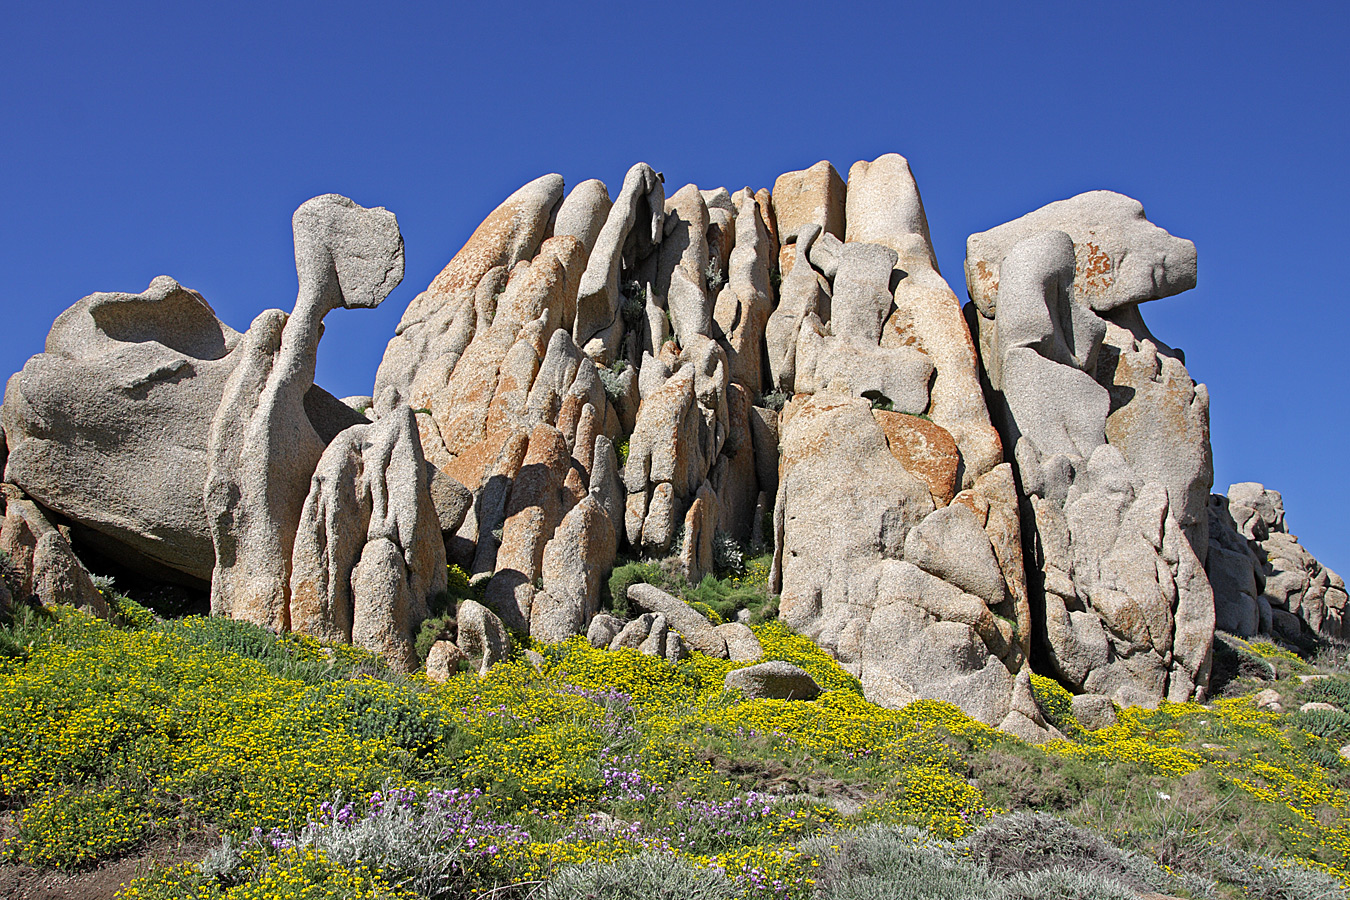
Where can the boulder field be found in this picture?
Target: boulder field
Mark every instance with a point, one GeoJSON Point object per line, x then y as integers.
{"type": "Point", "coordinates": [952, 496]}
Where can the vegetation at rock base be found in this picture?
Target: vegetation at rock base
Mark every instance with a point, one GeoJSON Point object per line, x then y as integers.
{"type": "Point", "coordinates": [615, 774]}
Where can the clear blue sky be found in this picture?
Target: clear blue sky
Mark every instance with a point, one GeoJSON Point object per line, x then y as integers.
{"type": "Point", "coordinates": [140, 139]}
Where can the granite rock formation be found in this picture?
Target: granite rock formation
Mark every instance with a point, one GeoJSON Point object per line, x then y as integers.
{"type": "Point", "coordinates": [951, 498]}
{"type": "Point", "coordinates": [1264, 580]}
{"type": "Point", "coordinates": [1110, 439]}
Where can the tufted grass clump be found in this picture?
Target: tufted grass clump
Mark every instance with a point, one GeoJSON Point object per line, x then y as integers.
{"type": "Point", "coordinates": [1335, 691]}
{"type": "Point", "coordinates": [1331, 724]}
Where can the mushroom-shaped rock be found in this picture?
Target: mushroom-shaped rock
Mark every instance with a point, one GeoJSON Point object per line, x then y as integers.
{"type": "Point", "coordinates": [773, 680]}
{"type": "Point", "coordinates": [263, 448]}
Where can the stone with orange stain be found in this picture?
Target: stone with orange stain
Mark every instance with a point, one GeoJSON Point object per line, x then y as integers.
{"type": "Point", "coordinates": [439, 321]}
{"type": "Point", "coordinates": [813, 196]}
{"type": "Point", "coordinates": [885, 207]}
{"type": "Point", "coordinates": [1120, 257]}
{"type": "Point", "coordinates": [925, 449]}
{"type": "Point", "coordinates": [1159, 420]}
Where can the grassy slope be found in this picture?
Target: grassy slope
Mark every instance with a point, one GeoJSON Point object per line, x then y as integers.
{"type": "Point", "coordinates": [113, 737]}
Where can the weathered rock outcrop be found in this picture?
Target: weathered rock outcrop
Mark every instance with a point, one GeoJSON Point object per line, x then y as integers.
{"type": "Point", "coordinates": [369, 555]}
{"type": "Point", "coordinates": [662, 376]}
{"type": "Point", "coordinates": [1110, 438]}
{"type": "Point", "coordinates": [874, 560]}
{"type": "Point", "coordinates": [263, 448]}
{"type": "Point", "coordinates": [1264, 580]}
{"type": "Point", "coordinates": [110, 425]}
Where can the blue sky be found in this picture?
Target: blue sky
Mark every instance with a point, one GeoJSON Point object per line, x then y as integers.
{"type": "Point", "coordinates": [142, 139]}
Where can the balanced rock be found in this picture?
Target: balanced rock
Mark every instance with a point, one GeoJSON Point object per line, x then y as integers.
{"type": "Point", "coordinates": [263, 448]}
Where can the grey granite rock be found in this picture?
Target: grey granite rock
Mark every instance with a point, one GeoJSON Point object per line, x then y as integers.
{"type": "Point", "coordinates": [369, 555]}
{"type": "Point", "coordinates": [262, 447]}
{"type": "Point", "coordinates": [46, 566]}
{"type": "Point", "coordinates": [482, 636]}
{"type": "Point", "coordinates": [773, 680]}
{"type": "Point", "coordinates": [1121, 257]}
{"type": "Point", "coordinates": [696, 630]}
{"type": "Point", "coordinates": [638, 214]}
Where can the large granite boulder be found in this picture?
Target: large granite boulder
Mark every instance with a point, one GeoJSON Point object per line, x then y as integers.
{"type": "Point", "coordinates": [1110, 439]}
{"type": "Point", "coordinates": [110, 425]}
{"type": "Point", "coordinates": [369, 556]}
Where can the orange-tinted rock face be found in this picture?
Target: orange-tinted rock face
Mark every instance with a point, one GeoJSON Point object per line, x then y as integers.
{"type": "Point", "coordinates": [924, 449]}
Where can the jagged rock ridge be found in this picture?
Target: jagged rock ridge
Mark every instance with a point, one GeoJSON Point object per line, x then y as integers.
{"type": "Point", "coordinates": [592, 376]}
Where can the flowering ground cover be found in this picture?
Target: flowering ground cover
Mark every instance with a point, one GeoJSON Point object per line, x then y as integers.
{"type": "Point", "coordinates": [607, 774]}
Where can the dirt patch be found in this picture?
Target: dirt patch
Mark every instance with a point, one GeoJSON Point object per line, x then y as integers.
{"type": "Point", "coordinates": [773, 777]}
{"type": "Point", "coordinates": [18, 882]}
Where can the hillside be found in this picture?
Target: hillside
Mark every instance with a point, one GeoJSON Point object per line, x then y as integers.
{"type": "Point", "coordinates": [286, 768]}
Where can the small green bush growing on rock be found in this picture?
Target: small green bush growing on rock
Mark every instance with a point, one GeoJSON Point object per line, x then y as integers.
{"type": "Point", "coordinates": [774, 400]}
{"type": "Point", "coordinates": [624, 576]}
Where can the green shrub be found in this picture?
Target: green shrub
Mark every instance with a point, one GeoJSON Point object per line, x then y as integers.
{"type": "Point", "coordinates": [774, 400]}
{"type": "Point", "coordinates": [1063, 884]}
{"type": "Point", "coordinates": [441, 628]}
{"type": "Point", "coordinates": [728, 554]}
{"type": "Point", "coordinates": [881, 862]}
{"type": "Point", "coordinates": [397, 715]}
{"type": "Point", "coordinates": [25, 624]}
{"type": "Point", "coordinates": [625, 576]}
{"type": "Point", "coordinates": [726, 598]}
{"type": "Point", "coordinates": [1028, 842]}
{"type": "Point", "coordinates": [457, 589]}
{"type": "Point", "coordinates": [1056, 704]}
